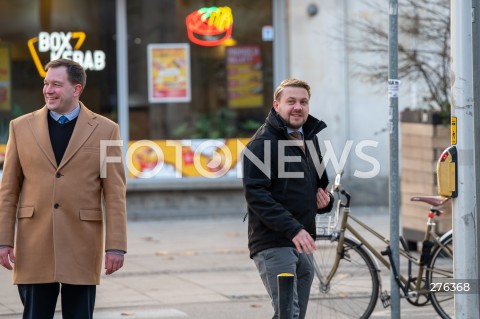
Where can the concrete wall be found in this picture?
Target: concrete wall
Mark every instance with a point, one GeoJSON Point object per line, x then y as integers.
{"type": "Point", "coordinates": [220, 201]}
{"type": "Point", "coordinates": [157, 204]}
{"type": "Point", "coordinates": [190, 198]}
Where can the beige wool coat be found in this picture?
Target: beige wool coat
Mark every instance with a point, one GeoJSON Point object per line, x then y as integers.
{"type": "Point", "coordinates": [59, 212]}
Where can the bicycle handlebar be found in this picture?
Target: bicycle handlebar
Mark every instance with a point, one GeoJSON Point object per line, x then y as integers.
{"type": "Point", "coordinates": [337, 188]}
{"type": "Point", "coordinates": [347, 196]}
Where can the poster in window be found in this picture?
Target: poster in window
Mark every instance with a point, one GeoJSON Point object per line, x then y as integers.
{"type": "Point", "coordinates": [211, 158]}
{"type": "Point", "coordinates": [169, 73]}
{"type": "Point", "coordinates": [244, 76]}
{"type": "Point", "coordinates": [5, 83]}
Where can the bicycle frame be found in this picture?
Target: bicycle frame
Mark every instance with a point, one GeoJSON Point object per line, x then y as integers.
{"type": "Point", "coordinates": [406, 284]}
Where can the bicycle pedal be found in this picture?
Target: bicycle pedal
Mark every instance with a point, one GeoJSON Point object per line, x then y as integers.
{"type": "Point", "coordinates": [386, 300]}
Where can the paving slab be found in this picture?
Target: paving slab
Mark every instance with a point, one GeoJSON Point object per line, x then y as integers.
{"type": "Point", "coordinates": [195, 268]}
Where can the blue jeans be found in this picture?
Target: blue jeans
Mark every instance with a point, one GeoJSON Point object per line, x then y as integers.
{"type": "Point", "coordinates": [274, 261]}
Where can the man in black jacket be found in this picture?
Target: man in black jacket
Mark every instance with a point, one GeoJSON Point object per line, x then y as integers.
{"type": "Point", "coordinates": [285, 186]}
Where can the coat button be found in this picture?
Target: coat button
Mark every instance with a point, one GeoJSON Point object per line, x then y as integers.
{"type": "Point", "coordinates": [58, 175]}
{"type": "Point", "coordinates": [56, 205]}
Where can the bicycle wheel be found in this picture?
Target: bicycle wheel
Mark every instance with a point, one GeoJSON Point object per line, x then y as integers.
{"type": "Point", "coordinates": [441, 271]}
{"type": "Point", "coordinates": [353, 291]}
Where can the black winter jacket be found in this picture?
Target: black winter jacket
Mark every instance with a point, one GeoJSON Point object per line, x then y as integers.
{"type": "Point", "coordinates": [278, 206]}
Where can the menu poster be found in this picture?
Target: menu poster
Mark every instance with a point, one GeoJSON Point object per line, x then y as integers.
{"type": "Point", "coordinates": [5, 82]}
{"type": "Point", "coordinates": [169, 72]}
{"type": "Point", "coordinates": [244, 76]}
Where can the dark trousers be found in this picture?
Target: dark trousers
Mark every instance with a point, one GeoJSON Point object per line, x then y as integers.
{"type": "Point", "coordinates": [39, 300]}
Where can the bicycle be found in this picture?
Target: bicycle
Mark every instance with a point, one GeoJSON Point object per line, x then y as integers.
{"type": "Point", "coordinates": [347, 280]}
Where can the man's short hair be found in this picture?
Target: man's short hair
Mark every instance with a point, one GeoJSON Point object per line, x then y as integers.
{"type": "Point", "coordinates": [290, 83]}
{"type": "Point", "coordinates": [76, 73]}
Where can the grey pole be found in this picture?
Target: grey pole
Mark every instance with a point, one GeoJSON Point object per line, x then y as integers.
{"type": "Point", "coordinates": [393, 85]}
{"type": "Point", "coordinates": [476, 120]}
{"type": "Point", "coordinates": [122, 72]}
{"type": "Point", "coordinates": [464, 210]}
{"type": "Point", "coordinates": [281, 58]}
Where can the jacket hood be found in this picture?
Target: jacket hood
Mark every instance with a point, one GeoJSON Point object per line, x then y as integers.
{"type": "Point", "coordinates": [310, 128]}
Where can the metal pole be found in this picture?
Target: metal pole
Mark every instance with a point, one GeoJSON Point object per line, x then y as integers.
{"type": "Point", "coordinates": [346, 81]}
{"type": "Point", "coordinates": [122, 72]}
{"type": "Point", "coordinates": [464, 210]}
{"type": "Point", "coordinates": [476, 121]}
{"type": "Point", "coordinates": [285, 295]}
{"type": "Point", "coordinates": [281, 58]}
{"type": "Point", "coordinates": [393, 84]}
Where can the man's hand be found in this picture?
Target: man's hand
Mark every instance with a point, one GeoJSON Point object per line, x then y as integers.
{"type": "Point", "coordinates": [323, 198]}
{"type": "Point", "coordinates": [6, 256]}
{"type": "Point", "coordinates": [113, 262]}
{"type": "Point", "coordinates": [304, 242]}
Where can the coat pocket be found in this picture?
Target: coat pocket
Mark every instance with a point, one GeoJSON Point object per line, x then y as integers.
{"type": "Point", "coordinates": [91, 215]}
{"type": "Point", "coordinates": [90, 149]}
{"type": "Point", "coordinates": [26, 212]}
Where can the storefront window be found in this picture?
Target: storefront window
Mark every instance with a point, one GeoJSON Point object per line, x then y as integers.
{"type": "Point", "coordinates": [184, 88]}
{"type": "Point", "coordinates": [196, 69]}
{"type": "Point", "coordinates": [34, 32]}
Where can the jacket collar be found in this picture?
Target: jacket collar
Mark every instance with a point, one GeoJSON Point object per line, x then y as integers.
{"type": "Point", "coordinates": [310, 128]}
{"type": "Point", "coordinates": [84, 127]}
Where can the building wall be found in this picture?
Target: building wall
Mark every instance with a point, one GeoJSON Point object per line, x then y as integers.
{"type": "Point", "coordinates": [354, 110]}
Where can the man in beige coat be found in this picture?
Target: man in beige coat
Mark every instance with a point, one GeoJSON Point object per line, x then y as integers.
{"type": "Point", "coordinates": [54, 189]}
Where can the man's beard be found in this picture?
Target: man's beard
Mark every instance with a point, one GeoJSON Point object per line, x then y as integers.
{"type": "Point", "coordinates": [297, 124]}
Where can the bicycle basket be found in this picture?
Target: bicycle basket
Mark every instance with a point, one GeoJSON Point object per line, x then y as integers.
{"type": "Point", "coordinates": [328, 222]}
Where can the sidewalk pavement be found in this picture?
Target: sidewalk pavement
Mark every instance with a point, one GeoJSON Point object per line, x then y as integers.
{"type": "Point", "coordinates": [184, 268]}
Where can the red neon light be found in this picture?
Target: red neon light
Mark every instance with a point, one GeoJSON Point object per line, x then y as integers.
{"type": "Point", "coordinates": [210, 26]}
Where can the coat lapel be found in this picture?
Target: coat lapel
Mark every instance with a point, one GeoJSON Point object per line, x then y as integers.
{"type": "Point", "coordinates": [39, 125]}
{"type": "Point", "coordinates": [83, 129]}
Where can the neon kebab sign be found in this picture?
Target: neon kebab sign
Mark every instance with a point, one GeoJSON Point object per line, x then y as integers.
{"type": "Point", "coordinates": [210, 26]}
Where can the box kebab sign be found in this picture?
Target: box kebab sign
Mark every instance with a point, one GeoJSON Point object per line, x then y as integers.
{"type": "Point", "coordinates": [59, 45]}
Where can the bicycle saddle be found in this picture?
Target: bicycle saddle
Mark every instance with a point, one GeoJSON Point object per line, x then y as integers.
{"type": "Point", "coordinates": [432, 200]}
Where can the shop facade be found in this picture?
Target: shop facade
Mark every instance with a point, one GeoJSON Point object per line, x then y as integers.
{"type": "Point", "coordinates": [188, 81]}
